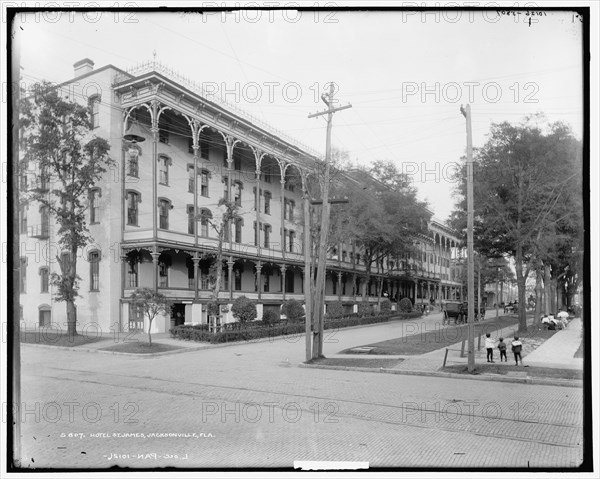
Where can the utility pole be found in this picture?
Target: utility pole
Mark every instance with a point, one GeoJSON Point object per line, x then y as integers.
{"type": "Point", "coordinates": [14, 349]}
{"type": "Point", "coordinates": [319, 304]}
{"type": "Point", "coordinates": [470, 265]}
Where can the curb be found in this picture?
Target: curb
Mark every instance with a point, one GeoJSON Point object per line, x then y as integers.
{"type": "Point", "coordinates": [185, 349]}
{"type": "Point", "coordinates": [481, 377]}
{"type": "Point", "coordinates": [116, 353]}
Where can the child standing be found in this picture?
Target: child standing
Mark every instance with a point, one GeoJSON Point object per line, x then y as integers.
{"type": "Point", "coordinates": [489, 345]}
{"type": "Point", "coordinates": [516, 349]}
{"type": "Point", "coordinates": [502, 348]}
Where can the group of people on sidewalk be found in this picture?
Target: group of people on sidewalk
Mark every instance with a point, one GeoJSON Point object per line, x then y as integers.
{"type": "Point", "coordinates": [552, 322]}
{"type": "Point", "coordinates": [516, 346]}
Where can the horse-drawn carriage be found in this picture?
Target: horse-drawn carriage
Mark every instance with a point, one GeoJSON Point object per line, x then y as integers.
{"type": "Point", "coordinates": [459, 311]}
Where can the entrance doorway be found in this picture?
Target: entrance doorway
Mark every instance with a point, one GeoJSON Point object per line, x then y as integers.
{"type": "Point", "coordinates": [177, 314]}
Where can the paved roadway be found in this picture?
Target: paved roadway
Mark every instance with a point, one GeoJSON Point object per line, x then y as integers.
{"type": "Point", "coordinates": [249, 405]}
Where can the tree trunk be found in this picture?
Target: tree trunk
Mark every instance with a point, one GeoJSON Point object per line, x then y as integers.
{"type": "Point", "coordinates": [149, 333]}
{"type": "Point", "coordinates": [521, 289]}
{"type": "Point", "coordinates": [379, 293]}
{"type": "Point", "coordinates": [538, 293]}
{"type": "Point", "coordinates": [547, 290]}
{"type": "Point", "coordinates": [71, 319]}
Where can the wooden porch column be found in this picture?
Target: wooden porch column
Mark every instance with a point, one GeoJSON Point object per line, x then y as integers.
{"type": "Point", "coordinates": [155, 254]}
{"type": "Point", "coordinates": [283, 269]}
{"type": "Point", "coordinates": [259, 279]}
{"type": "Point", "coordinates": [230, 272]}
{"type": "Point", "coordinates": [196, 261]}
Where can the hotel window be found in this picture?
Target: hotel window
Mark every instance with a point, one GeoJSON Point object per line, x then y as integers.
{"type": "Point", "coordinates": [163, 174]}
{"type": "Point", "coordinates": [237, 187]}
{"type": "Point", "coordinates": [163, 274]}
{"type": "Point", "coordinates": [133, 198]}
{"type": "Point", "coordinates": [94, 260]}
{"type": "Point", "coordinates": [132, 273]}
{"type": "Point", "coordinates": [45, 219]}
{"type": "Point", "coordinates": [94, 199]}
{"type": "Point", "coordinates": [94, 106]}
{"type": "Point", "coordinates": [164, 206]}
{"type": "Point", "coordinates": [239, 222]}
{"type": "Point", "coordinates": [44, 279]}
{"type": "Point", "coordinates": [237, 275]}
{"type": "Point", "coordinates": [190, 215]}
{"type": "Point", "coordinates": [344, 256]}
{"type": "Point", "coordinates": [23, 219]}
{"type": "Point", "coordinates": [23, 275]}
{"type": "Point", "coordinates": [288, 210]}
{"type": "Point", "coordinates": [204, 149]}
{"type": "Point", "coordinates": [291, 242]}
{"type": "Point", "coordinates": [133, 163]}
{"type": "Point", "coordinates": [267, 234]}
{"type": "Point", "coordinates": [267, 195]}
{"type": "Point", "coordinates": [191, 182]}
{"type": "Point", "coordinates": [204, 183]}
{"type": "Point", "coordinates": [205, 216]}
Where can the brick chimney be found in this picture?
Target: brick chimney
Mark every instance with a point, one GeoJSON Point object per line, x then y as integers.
{"type": "Point", "coordinates": [83, 66]}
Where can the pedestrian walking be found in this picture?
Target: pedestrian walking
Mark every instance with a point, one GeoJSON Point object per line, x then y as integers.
{"type": "Point", "coordinates": [502, 348]}
{"type": "Point", "coordinates": [489, 345]}
{"type": "Point", "coordinates": [516, 349]}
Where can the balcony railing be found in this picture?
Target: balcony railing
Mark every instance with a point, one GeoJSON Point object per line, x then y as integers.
{"type": "Point", "coordinates": [41, 231]}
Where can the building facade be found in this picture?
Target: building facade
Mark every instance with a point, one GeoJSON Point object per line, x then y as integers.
{"type": "Point", "coordinates": [152, 218]}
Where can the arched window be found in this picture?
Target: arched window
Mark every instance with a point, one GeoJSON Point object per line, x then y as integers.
{"type": "Point", "coordinates": [133, 199]}
{"type": "Point", "coordinates": [94, 260]}
{"type": "Point", "coordinates": [44, 279]}
{"type": "Point", "coordinates": [205, 216]}
{"type": "Point", "coordinates": [190, 215]}
{"type": "Point", "coordinates": [267, 195]}
{"type": "Point", "coordinates": [164, 205]}
{"type": "Point", "coordinates": [163, 172]}
{"type": "Point", "coordinates": [94, 199]}
{"type": "Point", "coordinates": [45, 315]}
{"type": "Point", "coordinates": [94, 106]}
{"type": "Point", "coordinates": [239, 222]}
{"type": "Point", "coordinates": [164, 264]}
{"type": "Point", "coordinates": [267, 235]}
{"type": "Point", "coordinates": [133, 153]}
{"type": "Point", "coordinates": [191, 179]}
{"type": "Point", "coordinates": [23, 219]}
{"type": "Point", "coordinates": [204, 175]}
{"type": "Point", "coordinates": [23, 275]}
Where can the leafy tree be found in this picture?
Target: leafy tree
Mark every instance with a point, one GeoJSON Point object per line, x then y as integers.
{"type": "Point", "coordinates": [220, 224]}
{"type": "Point", "coordinates": [525, 179]}
{"type": "Point", "coordinates": [244, 309]}
{"type": "Point", "coordinates": [383, 216]}
{"type": "Point", "coordinates": [56, 138]}
{"type": "Point", "coordinates": [151, 303]}
{"type": "Point", "coordinates": [293, 310]}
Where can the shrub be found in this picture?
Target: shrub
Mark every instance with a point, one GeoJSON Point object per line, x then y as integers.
{"type": "Point", "coordinates": [270, 317]}
{"type": "Point", "coordinates": [364, 309]}
{"type": "Point", "coordinates": [244, 309]}
{"type": "Point", "coordinates": [293, 310]}
{"type": "Point", "coordinates": [405, 305]}
{"type": "Point", "coordinates": [385, 306]}
{"type": "Point", "coordinates": [335, 310]}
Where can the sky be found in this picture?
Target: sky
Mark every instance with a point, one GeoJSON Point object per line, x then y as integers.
{"type": "Point", "coordinates": [405, 73]}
